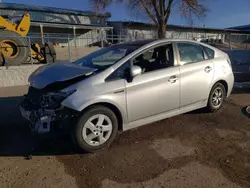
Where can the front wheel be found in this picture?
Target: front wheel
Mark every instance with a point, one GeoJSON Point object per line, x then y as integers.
{"type": "Point", "coordinates": [96, 129]}
{"type": "Point", "coordinates": [216, 97]}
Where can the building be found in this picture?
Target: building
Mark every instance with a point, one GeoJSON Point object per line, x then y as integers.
{"type": "Point", "coordinates": [243, 39]}
{"type": "Point", "coordinates": [60, 25]}
{"type": "Point", "coordinates": [130, 30]}
{"type": "Point", "coordinates": [81, 28]}
{"type": "Point", "coordinates": [242, 28]}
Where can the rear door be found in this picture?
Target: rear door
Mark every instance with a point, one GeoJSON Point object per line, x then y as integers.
{"type": "Point", "coordinates": [196, 73]}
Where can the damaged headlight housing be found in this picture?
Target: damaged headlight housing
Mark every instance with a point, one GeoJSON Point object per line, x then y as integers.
{"type": "Point", "coordinates": [53, 100]}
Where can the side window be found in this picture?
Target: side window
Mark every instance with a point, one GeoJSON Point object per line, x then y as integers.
{"type": "Point", "coordinates": [155, 58]}
{"type": "Point", "coordinates": [190, 53]}
{"type": "Point", "coordinates": [119, 73]}
{"type": "Point", "coordinates": [209, 52]}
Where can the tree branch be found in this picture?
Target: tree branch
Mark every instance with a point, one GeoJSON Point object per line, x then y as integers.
{"type": "Point", "coordinates": [148, 11]}
{"type": "Point", "coordinates": [168, 10]}
{"type": "Point", "coordinates": [162, 7]}
{"type": "Point", "coordinates": [156, 10]}
{"type": "Point", "coordinates": [190, 8]}
{"type": "Point", "coordinates": [194, 5]}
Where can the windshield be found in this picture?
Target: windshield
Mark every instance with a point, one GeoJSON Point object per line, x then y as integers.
{"type": "Point", "coordinates": [106, 57]}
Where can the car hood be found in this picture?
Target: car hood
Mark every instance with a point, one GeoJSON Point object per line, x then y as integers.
{"type": "Point", "coordinates": [57, 72]}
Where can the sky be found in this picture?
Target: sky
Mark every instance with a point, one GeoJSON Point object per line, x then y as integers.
{"type": "Point", "coordinates": [220, 14]}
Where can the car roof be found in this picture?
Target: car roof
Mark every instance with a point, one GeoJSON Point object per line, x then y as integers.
{"type": "Point", "coordinates": [138, 42]}
{"type": "Point", "coordinates": [148, 41]}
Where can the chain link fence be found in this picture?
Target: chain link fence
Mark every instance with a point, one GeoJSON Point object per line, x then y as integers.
{"type": "Point", "coordinates": [71, 48]}
{"type": "Point", "coordinates": [224, 41]}
{"type": "Point", "coordinates": [238, 41]}
{"type": "Point", "coordinates": [67, 47]}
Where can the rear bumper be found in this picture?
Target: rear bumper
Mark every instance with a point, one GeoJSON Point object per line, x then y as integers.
{"type": "Point", "coordinates": [230, 82]}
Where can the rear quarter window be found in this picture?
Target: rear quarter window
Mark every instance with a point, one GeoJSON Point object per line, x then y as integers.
{"type": "Point", "coordinates": [209, 52]}
{"type": "Point", "coordinates": [190, 53]}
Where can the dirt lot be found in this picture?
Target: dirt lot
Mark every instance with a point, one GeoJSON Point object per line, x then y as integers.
{"type": "Point", "coordinates": [191, 150]}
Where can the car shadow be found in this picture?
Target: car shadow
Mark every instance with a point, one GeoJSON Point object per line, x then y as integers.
{"type": "Point", "coordinates": [16, 138]}
{"type": "Point", "coordinates": [140, 155]}
{"type": "Point", "coordinates": [241, 91]}
{"type": "Point", "coordinates": [235, 91]}
{"type": "Point", "coordinates": [198, 111]}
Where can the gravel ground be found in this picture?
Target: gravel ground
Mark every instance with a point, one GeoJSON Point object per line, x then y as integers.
{"type": "Point", "coordinates": [196, 149]}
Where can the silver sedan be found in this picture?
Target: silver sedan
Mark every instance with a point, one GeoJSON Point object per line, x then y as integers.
{"type": "Point", "coordinates": [124, 86]}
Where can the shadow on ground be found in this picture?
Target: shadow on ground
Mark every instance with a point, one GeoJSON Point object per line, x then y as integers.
{"type": "Point", "coordinates": [16, 138]}
{"type": "Point", "coordinates": [241, 91]}
{"type": "Point", "coordinates": [216, 138]}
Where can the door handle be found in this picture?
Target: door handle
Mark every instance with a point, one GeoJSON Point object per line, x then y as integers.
{"type": "Point", "coordinates": [208, 69]}
{"type": "Point", "coordinates": [119, 91]}
{"type": "Point", "coordinates": [172, 79]}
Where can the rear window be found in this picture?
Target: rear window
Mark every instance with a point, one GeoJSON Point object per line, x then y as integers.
{"type": "Point", "coordinates": [209, 52]}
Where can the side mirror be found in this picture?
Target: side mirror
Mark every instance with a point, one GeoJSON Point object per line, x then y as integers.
{"type": "Point", "coordinates": [135, 71]}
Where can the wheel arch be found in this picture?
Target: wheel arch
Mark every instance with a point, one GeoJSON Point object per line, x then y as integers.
{"type": "Point", "coordinates": [224, 83]}
{"type": "Point", "coordinates": [112, 107]}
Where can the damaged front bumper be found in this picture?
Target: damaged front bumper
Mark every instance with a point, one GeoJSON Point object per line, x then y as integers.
{"type": "Point", "coordinates": [47, 121]}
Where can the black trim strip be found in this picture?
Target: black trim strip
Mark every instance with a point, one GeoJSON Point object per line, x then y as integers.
{"type": "Point", "coordinates": [120, 91]}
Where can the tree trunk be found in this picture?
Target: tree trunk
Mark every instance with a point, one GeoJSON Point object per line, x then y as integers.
{"type": "Point", "coordinates": [162, 31]}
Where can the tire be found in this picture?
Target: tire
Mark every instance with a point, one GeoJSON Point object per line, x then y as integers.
{"type": "Point", "coordinates": [1, 60]}
{"type": "Point", "coordinates": [211, 105]}
{"type": "Point", "coordinates": [49, 53]}
{"type": "Point", "coordinates": [21, 45]}
{"type": "Point", "coordinates": [82, 133]}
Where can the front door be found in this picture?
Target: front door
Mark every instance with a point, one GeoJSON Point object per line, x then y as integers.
{"type": "Point", "coordinates": [196, 74]}
{"type": "Point", "coordinates": [156, 90]}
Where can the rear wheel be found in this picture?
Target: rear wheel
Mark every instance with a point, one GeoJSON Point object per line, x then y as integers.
{"type": "Point", "coordinates": [96, 129]}
{"type": "Point", "coordinates": [216, 97]}
{"type": "Point", "coordinates": [14, 48]}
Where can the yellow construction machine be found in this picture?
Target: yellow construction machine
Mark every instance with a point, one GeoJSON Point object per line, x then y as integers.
{"type": "Point", "coordinates": [15, 48]}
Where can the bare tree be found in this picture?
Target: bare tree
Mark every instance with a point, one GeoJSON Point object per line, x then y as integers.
{"type": "Point", "coordinates": [158, 10]}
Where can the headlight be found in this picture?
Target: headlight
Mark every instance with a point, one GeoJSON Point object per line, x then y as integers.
{"type": "Point", "coordinates": [53, 100]}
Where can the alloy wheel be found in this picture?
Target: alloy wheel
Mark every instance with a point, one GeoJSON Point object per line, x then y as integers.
{"type": "Point", "coordinates": [97, 130]}
{"type": "Point", "coordinates": [217, 97]}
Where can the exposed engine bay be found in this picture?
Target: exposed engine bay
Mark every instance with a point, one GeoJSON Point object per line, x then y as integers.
{"type": "Point", "coordinates": [45, 112]}
{"type": "Point", "coordinates": [42, 107]}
